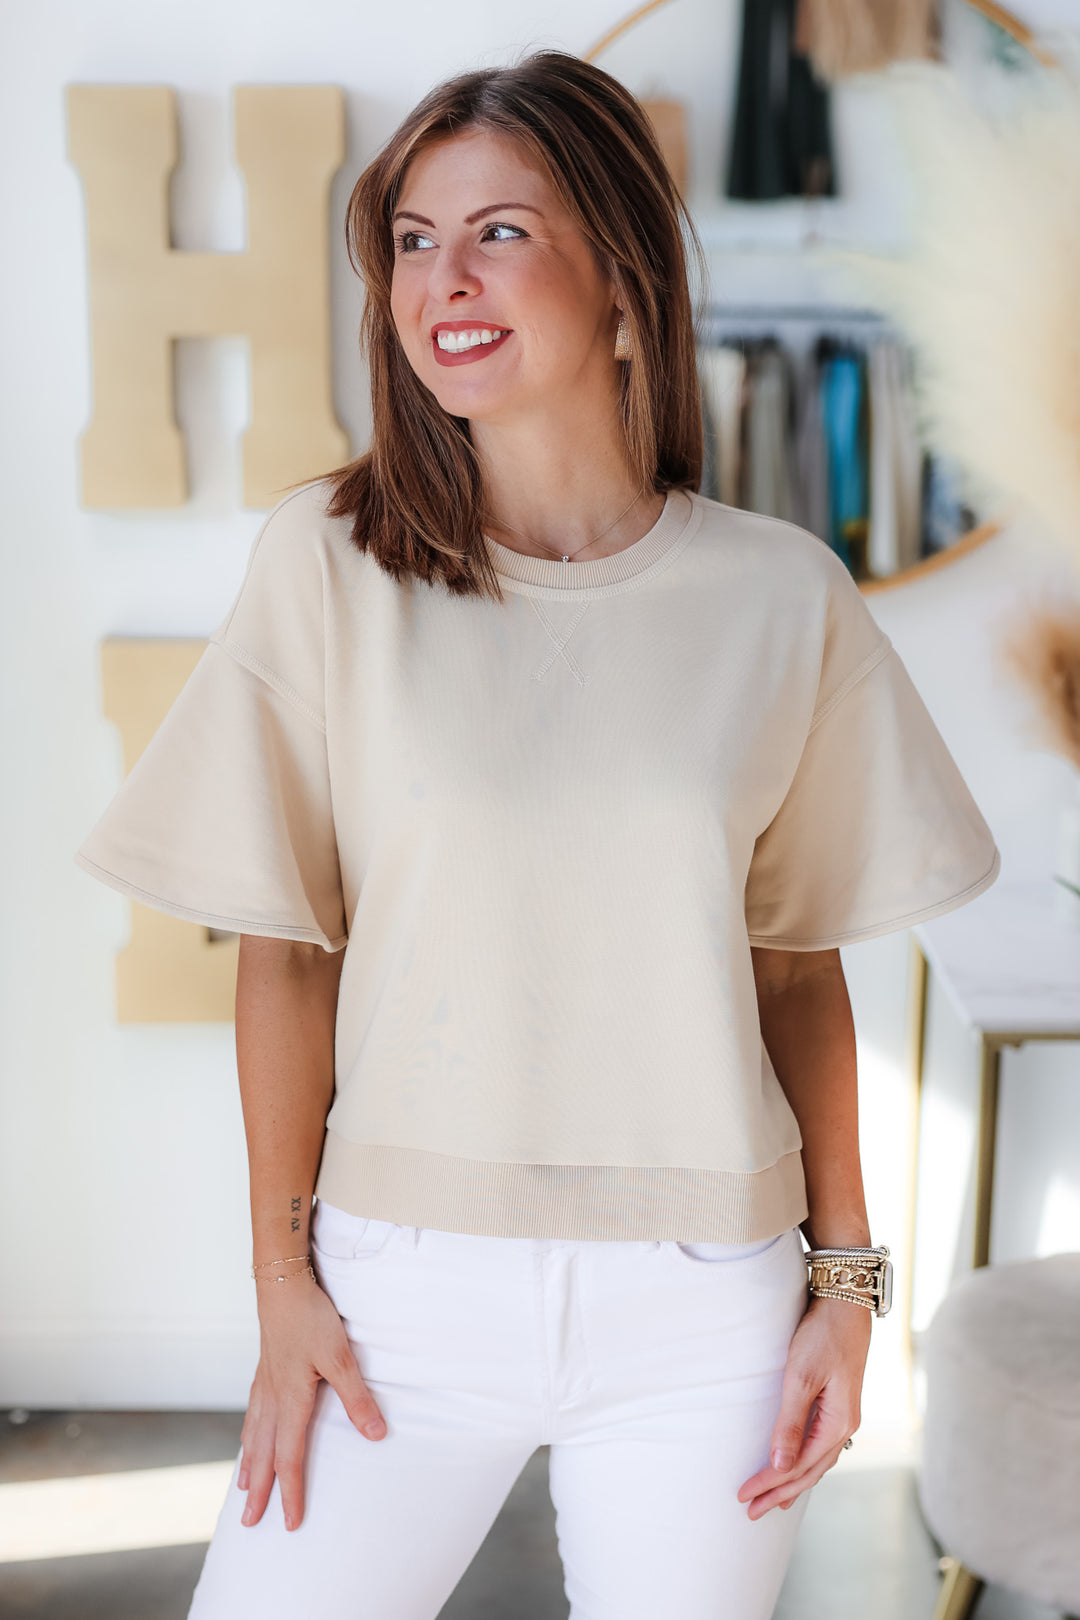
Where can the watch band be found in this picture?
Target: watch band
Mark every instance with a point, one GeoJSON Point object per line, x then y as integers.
{"type": "Point", "coordinates": [862, 1275]}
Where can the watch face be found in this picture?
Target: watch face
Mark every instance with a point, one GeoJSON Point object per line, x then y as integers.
{"type": "Point", "coordinates": [886, 1289]}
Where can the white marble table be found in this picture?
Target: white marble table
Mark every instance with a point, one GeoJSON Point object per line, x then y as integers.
{"type": "Point", "coordinates": [1009, 963]}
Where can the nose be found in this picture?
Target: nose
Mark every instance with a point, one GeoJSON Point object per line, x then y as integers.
{"type": "Point", "coordinates": [452, 275]}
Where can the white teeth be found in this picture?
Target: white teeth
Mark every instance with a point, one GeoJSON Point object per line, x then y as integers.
{"type": "Point", "coordinates": [456, 342]}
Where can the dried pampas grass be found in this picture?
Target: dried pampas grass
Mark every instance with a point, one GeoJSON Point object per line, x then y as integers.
{"type": "Point", "coordinates": [989, 293]}
{"type": "Point", "coordinates": [1042, 650]}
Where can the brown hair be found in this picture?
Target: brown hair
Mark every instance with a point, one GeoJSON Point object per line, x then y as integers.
{"type": "Point", "coordinates": [416, 497]}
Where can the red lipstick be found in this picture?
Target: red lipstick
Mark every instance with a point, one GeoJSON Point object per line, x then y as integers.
{"type": "Point", "coordinates": [464, 357]}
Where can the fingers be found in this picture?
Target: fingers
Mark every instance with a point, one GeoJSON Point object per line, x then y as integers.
{"type": "Point", "coordinates": [824, 1442]}
{"type": "Point", "coordinates": [256, 1455]}
{"type": "Point", "coordinates": [289, 1442]}
{"type": "Point", "coordinates": [796, 1400]}
{"type": "Point", "coordinates": [788, 1436]}
{"type": "Point", "coordinates": [253, 1420]}
{"type": "Point", "coordinates": [246, 1435]}
{"type": "Point", "coordinates": [276, 1450]}
{"type": "Point", "coordinates": [260, 1475]}
{"type": "Point", "coordinates": [358, 1401]}
{"type": "Point", "coordinates": [784, 1495]}
{"type": "Point", "coordinates": [274, 1435]}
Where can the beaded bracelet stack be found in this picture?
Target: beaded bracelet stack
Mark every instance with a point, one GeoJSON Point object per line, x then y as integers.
{"type": "Point", "coordinates": [268, 1265]}
{"type": "Point", "coordinates": [861, 1275]}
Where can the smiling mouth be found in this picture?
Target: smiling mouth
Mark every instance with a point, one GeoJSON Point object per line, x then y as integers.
{"type": "Point", "coordinates": [474, 348]}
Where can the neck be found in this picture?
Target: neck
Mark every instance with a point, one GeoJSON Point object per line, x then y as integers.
{"type": "Point", "coordinates": [561, 483]}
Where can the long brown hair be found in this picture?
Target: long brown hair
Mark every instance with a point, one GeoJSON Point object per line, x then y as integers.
{"type": "Point", "coordinates": [416, 497]}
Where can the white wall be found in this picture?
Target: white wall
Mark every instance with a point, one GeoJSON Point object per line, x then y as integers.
{"type": "Point", "coordinates": [123, 1183]}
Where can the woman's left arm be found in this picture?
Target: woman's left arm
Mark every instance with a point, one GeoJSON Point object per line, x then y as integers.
{"type": "Point", "coordinates": [808, 1031]}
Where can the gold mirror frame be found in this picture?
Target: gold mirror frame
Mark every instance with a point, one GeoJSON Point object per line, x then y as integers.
{"type": "Point", "coordinates": [1023, 36]}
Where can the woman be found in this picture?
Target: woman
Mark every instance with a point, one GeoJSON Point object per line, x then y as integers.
{"type": "Point", "coordinates": [591, 777]}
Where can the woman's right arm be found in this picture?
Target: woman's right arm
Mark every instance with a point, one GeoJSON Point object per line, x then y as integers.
{"type": "Point", "coordinates": [286, 1010]}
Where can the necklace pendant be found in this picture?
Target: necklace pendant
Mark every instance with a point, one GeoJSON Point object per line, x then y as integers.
{"type": "Point", "coordinates": [566, 559]}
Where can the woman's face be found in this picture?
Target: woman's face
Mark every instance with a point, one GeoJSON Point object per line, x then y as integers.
{"type": "Point", "coordinates": [484, 244]}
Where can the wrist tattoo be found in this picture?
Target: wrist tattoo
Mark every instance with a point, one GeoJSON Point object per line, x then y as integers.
{"type": "Point", "coordinates": [295, 1227]}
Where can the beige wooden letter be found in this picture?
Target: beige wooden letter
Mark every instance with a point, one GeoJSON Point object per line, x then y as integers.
{"type": "Point", "coordinates": [171, 971]}
{"type": "Point", "coordinates": [143, 293]}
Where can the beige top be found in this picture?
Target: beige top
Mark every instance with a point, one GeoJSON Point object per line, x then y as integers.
{"type": "Point", "coordinates": [547, 832]}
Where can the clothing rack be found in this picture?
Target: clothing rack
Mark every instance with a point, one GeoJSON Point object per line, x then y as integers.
{"type": "Point", "coordinates": [796, 312]}
{"type": "Point", "coordinates": [791, 427]}
{"type": "Point", "coordinates": [723, 320]}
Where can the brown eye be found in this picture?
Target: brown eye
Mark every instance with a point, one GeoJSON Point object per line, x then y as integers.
{"type": "Point", "coordinates": [406, 240]}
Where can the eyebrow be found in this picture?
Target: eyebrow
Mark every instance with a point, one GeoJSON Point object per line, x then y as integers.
{"type": "Point", "coordinates": [470, 219]}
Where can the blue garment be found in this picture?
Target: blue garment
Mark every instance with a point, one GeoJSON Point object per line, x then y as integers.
{"type": "Point", "coordinates": [843, 395]}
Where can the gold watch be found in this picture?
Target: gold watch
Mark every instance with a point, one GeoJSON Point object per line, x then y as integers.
{"type": "Point", "coordinates": [863, 1276]}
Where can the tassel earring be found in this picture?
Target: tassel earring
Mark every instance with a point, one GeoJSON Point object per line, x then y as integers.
{"type": "Point", "coordinates": [622, 340]}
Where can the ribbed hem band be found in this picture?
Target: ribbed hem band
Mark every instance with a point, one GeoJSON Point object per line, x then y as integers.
{"type": "Point", "coordinates": [412, 1187]}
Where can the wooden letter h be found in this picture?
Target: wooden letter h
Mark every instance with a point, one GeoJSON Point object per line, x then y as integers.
{"type": "Point", "coordinates": [143, 293]}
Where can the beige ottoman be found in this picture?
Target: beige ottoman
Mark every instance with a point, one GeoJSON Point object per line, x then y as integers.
{"type": "Point", "coordinates": [1000, 1476]}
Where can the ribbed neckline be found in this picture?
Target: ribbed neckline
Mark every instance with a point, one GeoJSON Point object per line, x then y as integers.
{"type": "Point", "coordinates": [550, 576]}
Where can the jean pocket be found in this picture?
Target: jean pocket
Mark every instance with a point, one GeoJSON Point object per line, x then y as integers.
{"type": "Point", "coordinates": [728, 1253]}
{"type": "Point", "coordinates": [336, 1234]}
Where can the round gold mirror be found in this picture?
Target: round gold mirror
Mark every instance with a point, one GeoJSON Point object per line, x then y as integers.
{"type": "Point", "coordinates": [671, 130]}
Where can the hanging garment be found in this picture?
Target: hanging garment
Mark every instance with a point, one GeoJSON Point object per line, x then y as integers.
{"type": "Point", "coordinates": [895, 521]}
{"type": "Point", "coordinates": [709, 469]}
{"type": "Point", "coordinates": [945, 516]}
{"type": "Point", "coordinates": [811, 452]}
{"type": "Point", "coordinates": [863, 36]}
{"type": "Point", "coordinates": [781, 142]}
{"type": "Point", "coordinates": [770, 475]}
{"type": "Point", "coordinates": [843, 400]}
{"type": "Point", "coordinates": [722, 369]}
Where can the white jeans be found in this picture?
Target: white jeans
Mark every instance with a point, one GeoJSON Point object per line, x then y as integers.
{"type": "Point", "coordinates": [651, 1370]}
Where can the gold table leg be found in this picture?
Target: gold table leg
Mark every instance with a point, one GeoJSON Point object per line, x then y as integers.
{"type": "Point", "coordinates": [989, 1089]}
{"type": "Point", "coordinates": [917, 1000]}
{"type": "Point", "coordinates": [959, 1592]}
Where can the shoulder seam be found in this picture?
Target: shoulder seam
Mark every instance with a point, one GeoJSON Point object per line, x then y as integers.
{"type": "Point", "coordinates": [270, 677]}
{"type": "Point", "coordinates": [767, 518]}
{"type": "Point", "coordinates": [861, 670]}
{"type": "Point", "coordinates": [257, 542]}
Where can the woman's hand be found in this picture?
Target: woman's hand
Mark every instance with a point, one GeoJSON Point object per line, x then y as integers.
{"type": "Point", "coordinates": [824, 1372]}
{"type": "Point", "coordinates": [303, 1341]}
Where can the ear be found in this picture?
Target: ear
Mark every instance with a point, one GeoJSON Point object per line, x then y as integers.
{"type": "Point", "coordinates": [611, 277]}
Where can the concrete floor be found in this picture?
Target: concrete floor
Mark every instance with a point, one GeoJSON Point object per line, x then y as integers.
{"type": "Point", "coordinates": [862, 1550]}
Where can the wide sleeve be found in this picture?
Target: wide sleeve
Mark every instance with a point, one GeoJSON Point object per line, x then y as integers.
{"type": "Point", "coordinates": [877, 830]}
{"type": "Point", "coordinates": [226, 818]}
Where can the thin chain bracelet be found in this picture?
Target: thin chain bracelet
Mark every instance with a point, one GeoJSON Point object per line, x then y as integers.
{"type": "Point", "coordinates": [290, 1259]}
{"type": "Point", "coordinates": [285, 1275]}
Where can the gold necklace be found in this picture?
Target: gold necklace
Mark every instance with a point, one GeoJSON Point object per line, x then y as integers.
{"type": "Point", "coordinates": [588, 543]}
